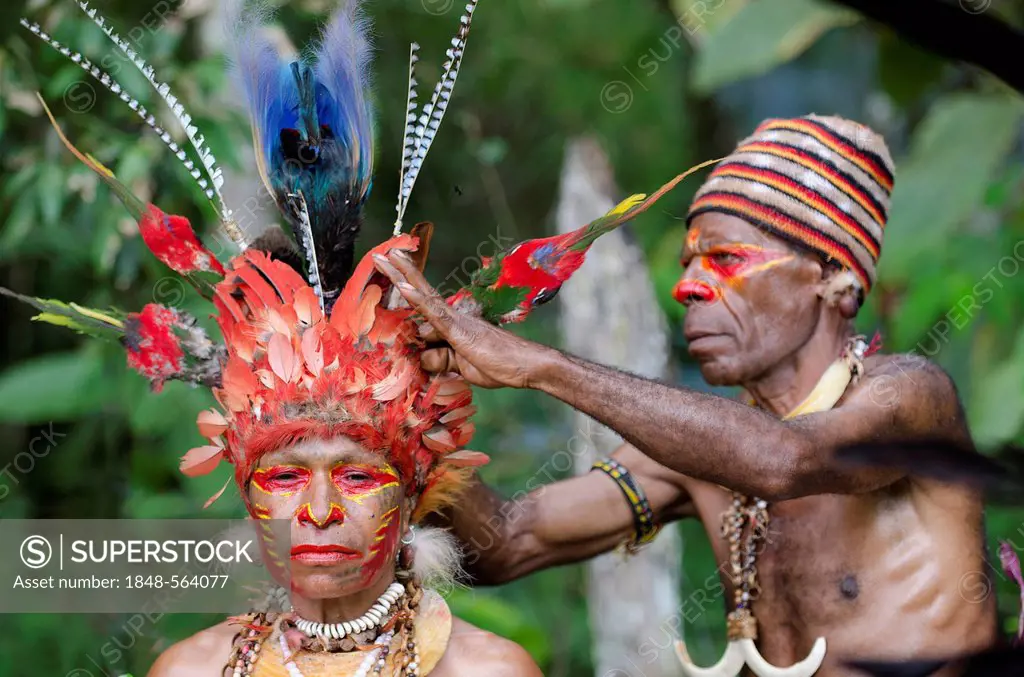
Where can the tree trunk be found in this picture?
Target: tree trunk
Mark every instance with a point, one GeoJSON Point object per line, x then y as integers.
{"type": "Point", "coordinates": [609, 315]}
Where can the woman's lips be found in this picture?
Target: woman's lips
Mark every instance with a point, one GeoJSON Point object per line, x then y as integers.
{"type": "Point", "coordinates": [322, 554]}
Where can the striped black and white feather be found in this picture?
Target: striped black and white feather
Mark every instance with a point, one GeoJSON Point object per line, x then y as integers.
{"type": "Point", "coordinates": [207, 174]}
{"type": "Point", "coordinates": [306, 239]}
{"type": "Point", "coordinates": [409, 144]}
{"type": "Point", "coordinates": [422, 129]}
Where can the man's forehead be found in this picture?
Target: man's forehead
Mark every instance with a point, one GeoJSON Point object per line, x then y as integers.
{"type": "Point", "coordinates": [714, 228]}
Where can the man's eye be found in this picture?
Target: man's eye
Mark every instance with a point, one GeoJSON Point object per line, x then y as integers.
{"type": "Point", "coordinates": [726, 258]}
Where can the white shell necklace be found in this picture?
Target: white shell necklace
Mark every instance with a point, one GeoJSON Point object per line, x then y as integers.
{"type": "Point", "coordinates": [373, 617]}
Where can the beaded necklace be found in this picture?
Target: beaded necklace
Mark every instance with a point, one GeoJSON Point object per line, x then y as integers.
{"type": "Point", "coordinates": [750, 514]}
{"type": "Point", "coordinates": [406, 656]}
{"type": "Point", "coordinates": [745, 527]}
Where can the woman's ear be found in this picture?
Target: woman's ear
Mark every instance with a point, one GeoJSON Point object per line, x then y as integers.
{"type": "Point", "coordinates": [408, 509]}
{"type": "Point", "coordinates": [841, 289]}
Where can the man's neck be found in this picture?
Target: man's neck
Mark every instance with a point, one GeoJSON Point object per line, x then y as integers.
{"type": "Point", "coordinates": [340, 609]}
{"type": "Point", "coordinates": [787, 384]}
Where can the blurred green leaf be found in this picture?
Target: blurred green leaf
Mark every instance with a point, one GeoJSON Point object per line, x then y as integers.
{"type": "Point", "coordinates": [51, 388]}
{"type": "Point", "coordinates": [763, 35]}
{"type": "Point", "coordinates": [14, 185]}
{"type": "Point", "coordinates": [502, 618]}
{"type": "Point", "coordinates": [51, 193]}
{"type": "Point", "coordinates": [666, 271]}
{"type": "Point", "coordinates": [929, 302]}
{"type": "Point", "coordinates": [955, 153]}
{"type": "Point", "coordinates": [20, 220]}
{"type": "Point", "coordinates": [906, 71]}
{"type": "Point", "coordinates": [996, 410]}
{"type": "Point", "coordinates": [701, 18]}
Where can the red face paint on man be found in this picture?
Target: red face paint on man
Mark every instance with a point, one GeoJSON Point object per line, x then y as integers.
{"type": "Point", "coordinates": [346, 510]}
{"type": "Point", "coordinates": [736, 280]}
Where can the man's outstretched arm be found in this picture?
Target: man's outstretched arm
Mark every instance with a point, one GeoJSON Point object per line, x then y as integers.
{"type": "Point", "coordinates": [558, 523]}
{"type": "Point", "coordinates": [703, 436]}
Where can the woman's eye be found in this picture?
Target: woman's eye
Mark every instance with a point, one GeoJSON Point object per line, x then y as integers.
{"type": "Point", "coordinates": [286, 476]}
{"type": "Point", "coordinates": [359, 477]}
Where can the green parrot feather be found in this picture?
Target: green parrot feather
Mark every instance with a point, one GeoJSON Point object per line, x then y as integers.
{"type": "Point", "coordinates": [105, 325]}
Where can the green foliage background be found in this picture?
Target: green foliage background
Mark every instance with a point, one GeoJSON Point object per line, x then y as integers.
{"type": "Point", "coordinates": [697, 76]}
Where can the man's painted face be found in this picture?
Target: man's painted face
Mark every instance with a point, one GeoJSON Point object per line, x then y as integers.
{"type": "Point", "coordinates": [345, 507]}
{"type": "Point", "coordinates": [751, 299]}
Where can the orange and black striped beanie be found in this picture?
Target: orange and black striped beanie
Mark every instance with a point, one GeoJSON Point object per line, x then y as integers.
{"type": "Point", "coordinates": [820, 182]}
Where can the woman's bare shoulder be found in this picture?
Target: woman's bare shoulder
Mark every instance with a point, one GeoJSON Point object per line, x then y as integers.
{"type": "Point", "coordinates": [201, 655]}
{"type": "Point", "coordinates": [472, 651]}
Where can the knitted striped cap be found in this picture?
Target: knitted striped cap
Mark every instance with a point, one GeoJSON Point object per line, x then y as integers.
{"type": "Point", "coordinates": [820, 182]}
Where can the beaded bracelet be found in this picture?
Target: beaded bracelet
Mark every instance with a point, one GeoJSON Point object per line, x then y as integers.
{"type": "Point", "coordinates": [643, 516]}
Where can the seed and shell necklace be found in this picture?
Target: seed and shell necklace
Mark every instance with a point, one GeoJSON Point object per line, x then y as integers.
{"type": "Point", "coordinates": [745, 524]}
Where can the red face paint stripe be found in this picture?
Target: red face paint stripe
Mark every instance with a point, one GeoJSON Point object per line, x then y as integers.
{"type": "Point", "coordinates": [829, 138]}
{"type": "Point", "coordinates": [751, 257]}
{"type": "Point", "coordinates": [840, 182]}
{"type": "Point", "coordinates": [265, 479]}
{"type": "Point", "coordinates": [770, 218]}
{"type": "Point", "coordinates": [384, 545]}
{"type": "Point", "coordinates": [358, 489]}
{"type": "Point", "coordinates": [790, 187]}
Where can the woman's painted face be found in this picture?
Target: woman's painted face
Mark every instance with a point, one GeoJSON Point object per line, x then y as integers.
{"type": "Point", "coordinates": [345, 508]}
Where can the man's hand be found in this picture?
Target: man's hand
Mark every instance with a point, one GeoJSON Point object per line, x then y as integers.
{"type": "Point", "coordinates": [485, 355]}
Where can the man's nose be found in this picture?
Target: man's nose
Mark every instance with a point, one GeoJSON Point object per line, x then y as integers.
{"type": "Point", "coordinates": [689, 290]}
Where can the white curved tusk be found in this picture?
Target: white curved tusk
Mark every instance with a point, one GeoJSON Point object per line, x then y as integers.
{"type": "Point", "coordinates": [729, 666]}
{"type": "Point", "coordinates": [763, 668]}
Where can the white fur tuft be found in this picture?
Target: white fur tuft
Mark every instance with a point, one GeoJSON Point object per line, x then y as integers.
{"type": "Point", "coordinates": [437, 562]}
{"type": "Point", "coordinates": [840, 285]}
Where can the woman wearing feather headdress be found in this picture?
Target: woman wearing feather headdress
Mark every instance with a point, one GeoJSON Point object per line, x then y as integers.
{"type": "Point", "coordinates": [330, 424]}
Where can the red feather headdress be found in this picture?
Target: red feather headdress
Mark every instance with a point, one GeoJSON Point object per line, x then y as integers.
{"type": "Point", "coordinates": [294, 373]}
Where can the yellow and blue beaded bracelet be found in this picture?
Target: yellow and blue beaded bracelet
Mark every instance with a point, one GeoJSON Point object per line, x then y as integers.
{"type": "Point", "coordinates": [643, 516]}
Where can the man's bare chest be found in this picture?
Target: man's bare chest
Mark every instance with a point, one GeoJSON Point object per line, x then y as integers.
{"type": "Point", "coordinates": [811, 560]}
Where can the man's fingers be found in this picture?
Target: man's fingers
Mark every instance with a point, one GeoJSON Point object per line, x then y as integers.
{"type": "Point", "coordinates": [412, 274]}
{"type": "Point", "coordinates": [422, 296]}
{"type": "Point", "coordinates": [429, 334]}
{"type": "Point", "coordinates": [389, 271]}
{"type": "Point", "coordinates": [439, 360]}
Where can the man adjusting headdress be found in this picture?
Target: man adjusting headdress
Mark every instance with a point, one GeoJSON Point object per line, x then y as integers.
{"type": "Point", "coordinates": [820, 562]}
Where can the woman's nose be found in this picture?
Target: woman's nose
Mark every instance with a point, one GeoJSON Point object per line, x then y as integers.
{"type": "Point", "coordinates": [689, 290]}
{"type": "Point", "coordinates": [323, 507]}
{"type": "Point", "coordinates": [320, 516]}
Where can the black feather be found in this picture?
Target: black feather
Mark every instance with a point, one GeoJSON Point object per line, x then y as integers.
{"type": "Point", "coordinates": [277, 245]}
{"type": "Point", "coordinates": [1000, 661]}
{"type": "Point", "coordinates": [1000, 475]}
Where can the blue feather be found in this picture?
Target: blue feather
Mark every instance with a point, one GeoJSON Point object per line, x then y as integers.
{"type": "Point", "coordinates": [312, 129]}
{"type": "Point", "coordinates": [343, 69]}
